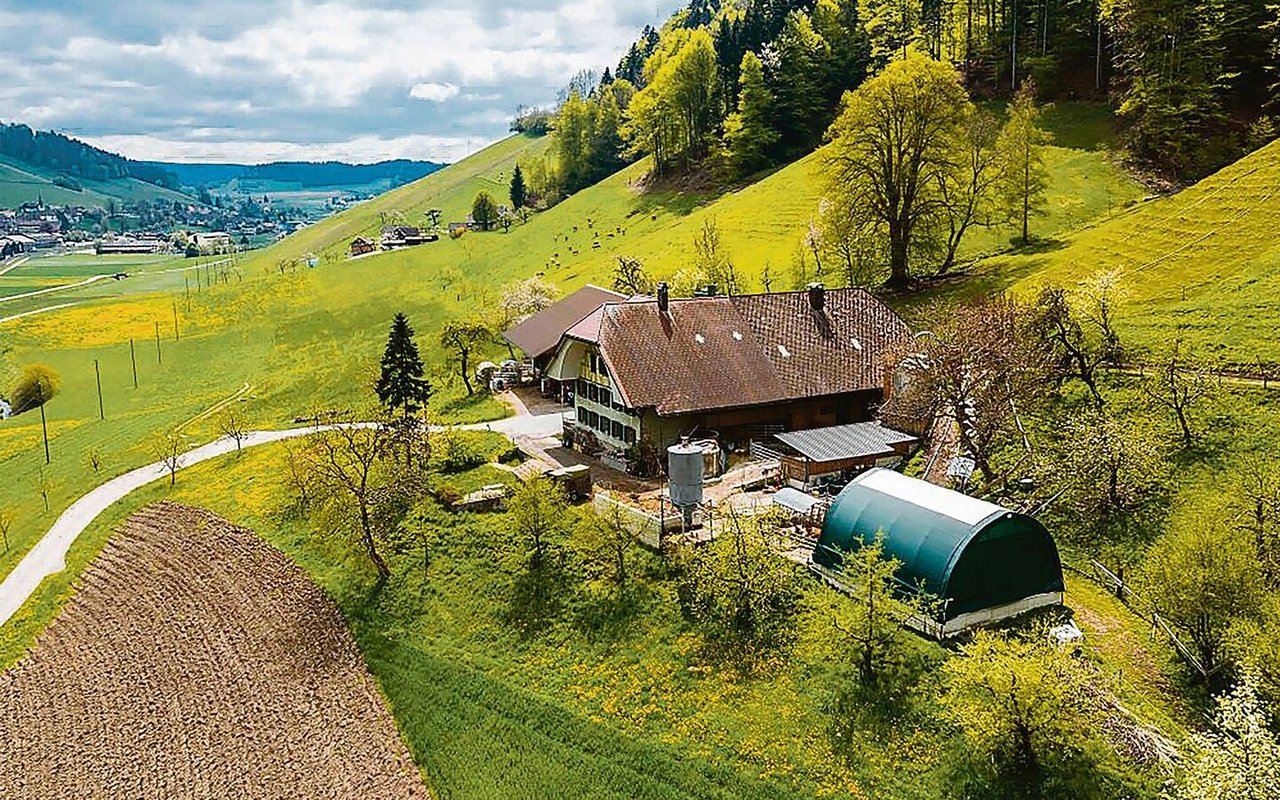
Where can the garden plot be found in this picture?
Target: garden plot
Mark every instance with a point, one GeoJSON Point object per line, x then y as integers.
{"type": "Point", "coordinates": [197, 661]}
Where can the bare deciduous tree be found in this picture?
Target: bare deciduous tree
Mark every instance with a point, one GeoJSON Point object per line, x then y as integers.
{"type": "Point", "coordinates": [231, 425]}
{"type": "Point", "coordinates": [168, 447]}
{"type": "Point", "coordinates": [5, 522]}
{"type": "Point", "coordinates": [345, 472]}
{"type": "Point", "coordinates": [1178, 386]}
{"type": "Point", "coordinates": [977, 363]}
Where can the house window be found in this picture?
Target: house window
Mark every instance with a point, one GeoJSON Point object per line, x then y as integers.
{"type": "Point", "coordinates": [629, 435]}
{"type": "Point", "coordinates": [617, 429]}
{"type": "Point", "coordinates": [582, 415]}
{"type": "Point", "coordinates": [593, 393]}
{"type": "Point", "coordinates": [582, 388]}
{"type": "Point", "coordinates": [606, 397]}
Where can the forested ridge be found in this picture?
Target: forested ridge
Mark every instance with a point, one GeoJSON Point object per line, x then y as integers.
{"type": "Point", "coordinates": [61, 154]}
{"type": "Point", "coordinates": [751, 83]}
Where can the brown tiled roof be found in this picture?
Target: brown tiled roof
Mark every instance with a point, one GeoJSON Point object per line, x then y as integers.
{"type": "Point", "coordinates": [723, 352]}
{"type": "Point", "coordinates": [540, 333]}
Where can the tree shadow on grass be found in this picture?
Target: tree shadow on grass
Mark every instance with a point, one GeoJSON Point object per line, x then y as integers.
{"type": "Point", "coordinates": [537, 595]}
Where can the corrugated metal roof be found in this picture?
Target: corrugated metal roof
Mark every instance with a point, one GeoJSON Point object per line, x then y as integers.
{"type": "Point", "coordinates": [723, 352]}
{"type": "Point", "coordinates": [795, 500]}
{"type": "Point", "coordinates": [540, 333]}
{"type": "Point", "coordinates": [858, 440]}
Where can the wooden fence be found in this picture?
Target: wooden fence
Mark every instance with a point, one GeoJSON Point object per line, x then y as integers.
{"type": "Point", "coordinates": [1116, 584]}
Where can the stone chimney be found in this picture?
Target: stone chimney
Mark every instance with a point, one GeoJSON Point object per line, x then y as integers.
{"type": "Point", "coordinates": [664, 298]}
{"type": "Point", "coordinates": [817, 296]}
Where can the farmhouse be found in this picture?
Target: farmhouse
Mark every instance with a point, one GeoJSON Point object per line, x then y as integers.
{"type": "Point", "coordinates": [360, 245]}
{"type": "Point", "coordinates": [981, 561]}
{"type": "Point", "coordinates": [734, 368]}
{"type": "Point", "coordinates": [404, 236]}
{"type": "Point", "coordinates": [539, 335]}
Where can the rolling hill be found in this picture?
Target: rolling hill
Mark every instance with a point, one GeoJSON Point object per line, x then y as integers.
{"type": "Point", "coordinates": [24, 183]}
{"type": "Point", "coordinates": [1202, 265]}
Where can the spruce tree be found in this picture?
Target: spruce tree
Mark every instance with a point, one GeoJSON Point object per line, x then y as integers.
{"type": "Point", "coordinates": [519, 192]}
{"type": "Point", "coordinates": [401, 385]}
{"type": "Point", "coordinates": [747, 132]}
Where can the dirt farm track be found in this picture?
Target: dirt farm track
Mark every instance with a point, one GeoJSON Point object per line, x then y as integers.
{"type": "Point", "coordinates": [195, 660]}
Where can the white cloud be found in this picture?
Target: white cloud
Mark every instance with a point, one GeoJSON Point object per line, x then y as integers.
{"type": "Point", "coordinates": [433, 92]}
{"type": "Point", "coordinates": [361, 149]}
{"type": "Point", "coordinates": [305, 78]}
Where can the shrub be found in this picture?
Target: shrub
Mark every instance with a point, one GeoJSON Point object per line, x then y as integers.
{"type": "Point", "coordinates": [38, 385]}
{"type": "Point", "coordinates": [462, 452]}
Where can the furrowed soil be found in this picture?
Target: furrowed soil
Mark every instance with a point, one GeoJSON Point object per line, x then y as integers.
{"type": "Point", "coordinates": [197, 661]}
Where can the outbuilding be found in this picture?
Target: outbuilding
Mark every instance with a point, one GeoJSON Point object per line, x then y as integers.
{"type": "Point", "coordinates": [982, 562]}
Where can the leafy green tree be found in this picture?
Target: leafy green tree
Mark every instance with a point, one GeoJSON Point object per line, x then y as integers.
{"type": "Point", "coordinates": [871, 624]}
{"type": "Point", "coordinates": [538, 512]}
{"type": "Point", "coordinates": [1203, 576]}
{"type": "Point", "coordinates": [1169, 54]}
{"type": "Point", "coordinates": [400, 383]}
{"type": "Point", "coordinates": [1023, 176]}
{"type": "Point", "coordinates": [800, 108]}
{"type": "Point", "coordinates": [484, 212]}
{"type": "Point", "coordinates": [891, 27]}
{"type": "Point", "coordinates": [1022, 708]}
{"type": "Point", "coordinates": [739, 587]}
{"type": "Point", "coordinates": [748, 133]}
{"type": "Point", "coordinates": [575, 127]}
{"type": "Point", "coordinates": [966, 191]}
{"type": "Point", "coordinates": [519, 192]}
{"type": "Point", "coordinates": [674, 117]}
{"type": "Point", "coordinates": [38, 385]}
{"type": "Point", "coordinates": [1106, 466]}
{"type": "Point", "coordinates": [462, 337]}
{"type": "Point", "coordinates": [1238, 758]}
{"type": "Point", "coordinates": [895, 139]}
{"type": "Point", "coordinates": [608, 545]}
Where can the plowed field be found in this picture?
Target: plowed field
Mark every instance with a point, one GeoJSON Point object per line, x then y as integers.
{"type": "Point", "coordinates": [195, 660]}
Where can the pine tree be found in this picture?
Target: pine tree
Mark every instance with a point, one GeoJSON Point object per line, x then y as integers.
{"type": "Point", "coordinates": [519, 192]}
{"type": "Point", "coordinates": [747, 132]}
{"type": "Point", "coordinates": [401, 385]}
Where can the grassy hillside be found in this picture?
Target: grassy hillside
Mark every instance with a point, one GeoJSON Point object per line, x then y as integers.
{"type": "Point", "coordinates": [1202, 265]}
{"type": "Point", "coordinates": [23, 183]}
{"type": "Point", "coordinates": [286, 340]}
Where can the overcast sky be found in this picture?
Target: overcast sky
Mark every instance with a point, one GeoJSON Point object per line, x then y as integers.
{"type": "Point", "coordinates": [261, 80]}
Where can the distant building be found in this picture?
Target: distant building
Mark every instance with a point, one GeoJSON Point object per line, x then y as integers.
{"type": "Point", "coordinates": [126, 246]}
{"type": "Point", "coordinates": [394, 236]}
{"type": "Point", "coordinates": [360, 246]}
{"type": "Point", "coordinates": [213, 242]}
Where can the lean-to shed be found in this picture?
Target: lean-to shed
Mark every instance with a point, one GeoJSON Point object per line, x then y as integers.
{"type": "Point", "coordinates": [984, 562]}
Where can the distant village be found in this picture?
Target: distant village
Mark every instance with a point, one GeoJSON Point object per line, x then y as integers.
{"type": "Point", "coordinates": [156, 226]}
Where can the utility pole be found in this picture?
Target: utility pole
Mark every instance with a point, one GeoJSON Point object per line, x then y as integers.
{"type": "Point", "coordinates": [44, 427]}
{"type": "Point", "coordinates": [133, 359]}
{"type": "Point", "coordinates": [97, 374]}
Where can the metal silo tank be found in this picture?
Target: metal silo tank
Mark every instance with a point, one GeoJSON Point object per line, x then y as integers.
{"type": "Point", "coordinates": [684, 474]}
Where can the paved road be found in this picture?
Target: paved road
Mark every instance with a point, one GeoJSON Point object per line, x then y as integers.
{"type": "Point", "coordinates": [48, 557]}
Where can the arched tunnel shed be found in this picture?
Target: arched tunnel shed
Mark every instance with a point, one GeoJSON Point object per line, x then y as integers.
{"type": "Point", "coordinates": [984, 562]}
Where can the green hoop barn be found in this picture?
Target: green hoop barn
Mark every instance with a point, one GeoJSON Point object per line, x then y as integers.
{"type": "Point", "coordinates": [984, 562]}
